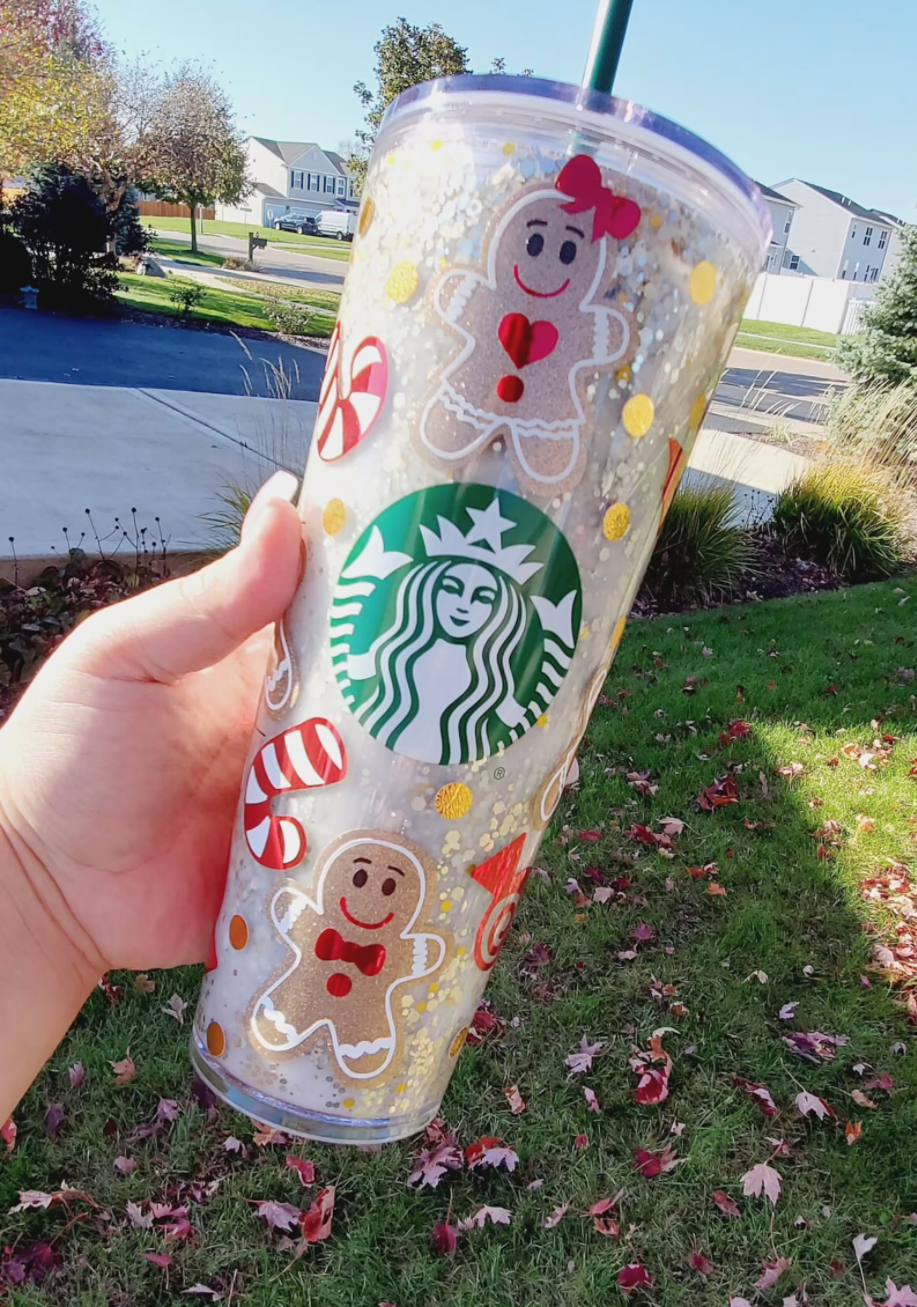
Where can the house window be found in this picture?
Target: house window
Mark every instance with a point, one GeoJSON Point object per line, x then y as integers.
{"type": "Point", "coordinates": [856, 269]}
{"type": "Point", "coordinates": [794, 262]}
{"type": "Point", "coordinates": [883, 237]}
{"type": "Point", "coordinates": [867, 236]}
{"type": "Point", "coordinates": [853, 232]}
{"type": "Point", "coordinates": [329, 185]}
{"type": "Point", "coordinates": [342, 186]}
{"type": "Point", "coordinates": [788, 224]}
{"type": "Point", "coordinates": [844, 270]}
{"type": "Point", "coordinates": [314, 182]}
{"type": "Point", "coordinates": [296, 181]}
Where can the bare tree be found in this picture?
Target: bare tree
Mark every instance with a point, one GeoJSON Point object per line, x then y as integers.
{"type": "Point", "coordinates": [197, 151]}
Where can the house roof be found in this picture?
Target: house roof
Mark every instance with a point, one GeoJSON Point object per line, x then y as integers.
{"type": "Point", "coordinates": [770, 194]}
{"type": "Point", "coordinates": [290, 151]}
{"type": "Point", "coordinates": [271, 192]}
{"type": "Point", "coordinates": [889, 217]}
{"type": "Point", "coordinates": [849, 206]}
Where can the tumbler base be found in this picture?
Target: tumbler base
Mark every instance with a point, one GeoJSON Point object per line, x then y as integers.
{"type": "Point", "coordinates": [300, 1121]}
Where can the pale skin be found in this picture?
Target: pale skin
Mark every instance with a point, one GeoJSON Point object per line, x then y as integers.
{"type": "Point", "coordinates": [120, 771]}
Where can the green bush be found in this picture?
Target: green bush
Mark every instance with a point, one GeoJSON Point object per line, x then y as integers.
{"type": "Point", "coordinates": [15, 264]}
{"type": "Point", "coordinates": [291, 319]}
{"type": "Point", "coordinates": [67, 231]}
{"type": "Point", "coordinates": [186, 295]}
{"type": "Point", "coordinates": [849, 516]}
{"type": "Point", "coordinates": [701, 552]}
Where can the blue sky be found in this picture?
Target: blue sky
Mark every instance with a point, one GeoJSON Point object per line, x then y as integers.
{"type": "Point", "coordinates": [819, 89]}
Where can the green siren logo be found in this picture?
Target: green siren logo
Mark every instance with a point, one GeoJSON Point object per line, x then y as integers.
{"type": "Point", "coordinates": [454, 622]}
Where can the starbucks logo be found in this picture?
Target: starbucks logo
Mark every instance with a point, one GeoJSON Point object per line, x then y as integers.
{"type": "Point", "coordinates": [454, 622]}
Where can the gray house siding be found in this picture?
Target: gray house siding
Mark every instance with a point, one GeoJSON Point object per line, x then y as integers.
{"type": "Point", "coordinates": [818, 234]}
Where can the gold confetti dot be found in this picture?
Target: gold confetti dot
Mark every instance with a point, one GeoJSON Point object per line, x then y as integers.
{"type": "Point", "coordinates": [617, 634]}
{"type": "Point", "coordinates": [456, 1046]}
{"type": "Point", "coordinates": [655, 222]}
{"type": "Point", "coordinates": [542, 720]}
{"type": "Point", "coordinates": [509, 149]}
{"type": "Point", "coordinates": [461, 951]}
{"type": "Point", "coordinates": [391, 160]}
{"type": "Point", "coordinates": [402, 282]}
{"type": "Point", "coordinates": [454, 801]}
{"type": "Point", "coordinates": [703, 283]}
{"type": "Point", "coordinates": [349, 1103]}
{"type": "Point", "coordinates": [421, 1007]}
{"type": "Point", "coordinates": [638, 415]}
{"type": "Point", "coordinates": [366, 216]}
{"type": "Point", "coordinates": [616, 521]}
{"type": "Point", "coordinates": [238, 932]}
{"type": "Point", "coordinates": [433, 989]}
{"type": "Point", "coordinates": [401, 1089]}
{"type": "Point", "coordinates": [436, 145]}
{"type": "Point", "coordinates": [447, 905]}
{"type": "Point", "coordinates": [334, 517]}
{"type": "Point", "coordinates": [623, 374]}
{"type": "Point", "coordinates": [698, 409]}
{"type": "Point", "coordinates": [216, 1040]}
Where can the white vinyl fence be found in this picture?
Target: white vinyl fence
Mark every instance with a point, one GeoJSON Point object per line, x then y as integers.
{"type": "Point", "coordinates": [806, 301]}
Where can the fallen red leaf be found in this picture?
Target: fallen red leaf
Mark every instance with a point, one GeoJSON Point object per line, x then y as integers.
{"type": "Point", "coordinates": [162, 1260]}
{"type": "Point", "coordinates": [278, 1216]}
{"type": "Point", "coordinates": [759, 1094]}
{"type": "Point", "coordinates": [555, 1217]}
{"type": "Point", "coordinates": [739, 729]}
{"type": "Point", "coordinates": [515, 1100]}
{"type": "Point", "coordinates": [716, 890]}
{"type": "Point", "coordinates": [305, 1170]}
{"type": "Point", "coordinates": [316, 1222]}
{"type": "Point", "coordinates": [444, 1238]}
{"type": "Point", "coordinates": [581, 1141]}
{"type": "Point", "coordinates": [606, 1226]}
{"type": "Point", "coordinates": [852, 1131]}
{"type": "Point", "coordinates": [8, 1135]}
{"type": "Point", "coordinates": [433, 1163]}
{"type": "Point", "coordinates": [652, 1164]}
{"type": "Point", "coordinates": [590, 836]}
{"type": "Point", "coordinates": [723, 791]}
{"type": "Point", "coordinates": [635, 1276]}
{"type": "Point", "coordinates": [771, 1273]}
{"type": "Point", "coordinates": [883, 1081]}
{"type": "Point", "coordinates": [698, 1262]}
{"type": "Point", "coordinates": [125, 1070]}
{"type": "Point", "coordinates": [727, 1205]}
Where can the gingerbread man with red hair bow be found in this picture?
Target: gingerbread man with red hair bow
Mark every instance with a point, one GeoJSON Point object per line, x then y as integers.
{"type": "Point", "coordinates": [537, 325]}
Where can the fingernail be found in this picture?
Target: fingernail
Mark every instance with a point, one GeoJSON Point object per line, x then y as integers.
{"type": "Point", "coordinates": [282, 485]}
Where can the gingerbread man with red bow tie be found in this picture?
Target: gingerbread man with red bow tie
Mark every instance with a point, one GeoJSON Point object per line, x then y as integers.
{"type": "Point", "coordinates": [353, 945]}
{"type": "Point", "coordinates": [537, 326]}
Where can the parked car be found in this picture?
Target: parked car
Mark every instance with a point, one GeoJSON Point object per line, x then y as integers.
{"type": "Point", "coordinates": [304, 223]}
{"type": "Point", "coordinates": [339, 223]}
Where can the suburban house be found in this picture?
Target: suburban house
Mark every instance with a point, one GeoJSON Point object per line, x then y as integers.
{"type": "Point", "coordinates": [781, 210]}
{"type": "Point", "coordinates": [895, 244]}
{"type": "Point", "coordinates": [833, 236]}
{"type": "Point", "coordinates": [290, 177]}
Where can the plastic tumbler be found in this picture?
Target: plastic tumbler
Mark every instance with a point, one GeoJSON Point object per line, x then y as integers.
{"type": "Point", "coordinates": [544, 287]}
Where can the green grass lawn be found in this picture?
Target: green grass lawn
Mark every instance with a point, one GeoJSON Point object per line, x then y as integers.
{"type": "Point", "coordinates": [325, 246]}
{"type": "Point", "coordinates": [811, 677]}
{"type": "Point", "coordinates": [180, 252]}
{"type": "Point", "coordinates": [227, 307]}
{"type": "Point", "coordinates": [778, 338]}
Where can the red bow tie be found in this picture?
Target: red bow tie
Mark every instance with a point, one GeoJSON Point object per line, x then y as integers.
{"type": "Point", "coordinates": [369, 958]}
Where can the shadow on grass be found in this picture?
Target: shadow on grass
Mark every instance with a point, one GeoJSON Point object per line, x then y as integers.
{"type": "Point", "coordinates": [808, 675]}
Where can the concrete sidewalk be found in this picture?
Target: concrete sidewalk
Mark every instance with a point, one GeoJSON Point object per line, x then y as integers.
{"type": "Point", "coordinates": [167, 453]}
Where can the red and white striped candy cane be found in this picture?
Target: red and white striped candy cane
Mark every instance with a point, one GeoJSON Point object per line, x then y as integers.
{"type": "Point", "coordinates": [301, 758]}
{"type": "Point", "coordinates": [346, 419]}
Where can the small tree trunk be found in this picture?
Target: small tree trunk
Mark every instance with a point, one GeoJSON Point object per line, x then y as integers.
{"type": "Point", "coordinates": [193, 208]}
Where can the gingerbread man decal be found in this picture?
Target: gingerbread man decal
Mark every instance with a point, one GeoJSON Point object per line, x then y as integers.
{"type": "Point", "coordinates": [532, 324]}
{"type": "Point", "coordinates": [353, 945]}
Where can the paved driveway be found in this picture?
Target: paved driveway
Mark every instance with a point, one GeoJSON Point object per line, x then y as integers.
{"type": "Point", "coordinates": [311, 270]}
{"type": "Point", "coordinates": [48, 347]}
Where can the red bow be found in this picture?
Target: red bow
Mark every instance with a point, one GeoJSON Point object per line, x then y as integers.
{"type": "Point", "coordinates": [369, 958]}
{"type": "Point", "coordinates": [614, 215]}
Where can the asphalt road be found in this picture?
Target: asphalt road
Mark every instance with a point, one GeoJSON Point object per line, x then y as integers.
{"type": "Point", "coordinates": [314, 272]}
{"type": "Point", "coordinates": [756, 388]}
{"type": "Point", "coordinates": [90, 352]}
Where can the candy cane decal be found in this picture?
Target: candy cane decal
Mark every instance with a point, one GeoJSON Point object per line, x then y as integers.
{"type": "Point", "coordinates": [500, 877]}
{"type": "Point", "coordinates": [346, 419]}
{"type": "Point", "coordinates": [301, 758]}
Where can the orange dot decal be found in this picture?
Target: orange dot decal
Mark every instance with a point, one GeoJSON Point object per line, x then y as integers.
{"type": "Point", "coordinates": [216, 1040]}
{"type": "Point", "coordinates": [238, 933]}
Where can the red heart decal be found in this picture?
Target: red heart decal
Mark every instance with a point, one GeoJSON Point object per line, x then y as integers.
{"type": "Point", "coordinates": [526, 342]}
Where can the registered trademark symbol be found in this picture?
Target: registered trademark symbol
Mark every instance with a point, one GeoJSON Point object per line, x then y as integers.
{"type": "Point", "coordinates": [499, 773]}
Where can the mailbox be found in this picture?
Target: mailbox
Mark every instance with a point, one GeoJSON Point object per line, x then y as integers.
{"type": "Point", "coordinates": [255, 243]}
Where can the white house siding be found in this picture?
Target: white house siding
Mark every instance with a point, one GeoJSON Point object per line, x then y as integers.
{"type": "Point", "coordinates": [780, 213]}
{"type": "Point", "coordinates": [859, 261]}
{"type": "Point", "coordinates": [819, 231]}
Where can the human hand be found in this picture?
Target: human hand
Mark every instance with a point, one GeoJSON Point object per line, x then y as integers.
{"type": "Point", "coordinates": [121, 767]}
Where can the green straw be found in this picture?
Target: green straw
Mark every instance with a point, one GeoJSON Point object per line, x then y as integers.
{"type": "Point", "coordinates": [607, 40]}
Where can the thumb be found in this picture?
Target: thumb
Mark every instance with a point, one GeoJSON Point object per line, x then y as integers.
{"type": "Point", "coordinates": [197, 620]}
